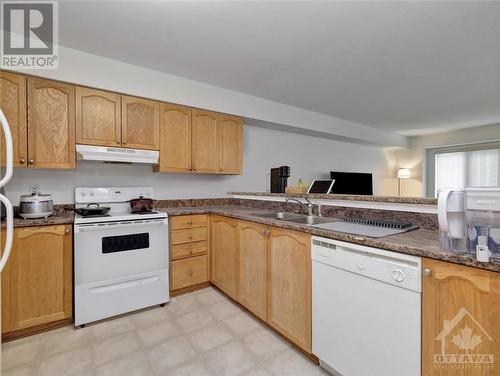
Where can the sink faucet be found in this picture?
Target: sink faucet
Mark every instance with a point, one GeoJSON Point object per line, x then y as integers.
{"type": "Point", "coordinates": [309, 207]}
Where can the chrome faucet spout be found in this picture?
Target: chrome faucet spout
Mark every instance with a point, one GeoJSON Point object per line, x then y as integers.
{"type": "Point", "coordinates": [308, 207]}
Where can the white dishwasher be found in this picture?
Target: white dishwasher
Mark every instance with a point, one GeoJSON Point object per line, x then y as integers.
{"type": "Point", "coordinates": [365, 309]}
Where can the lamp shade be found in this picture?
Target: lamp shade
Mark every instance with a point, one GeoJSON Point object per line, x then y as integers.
{"type": "Point", "coordinates": [404, 173]}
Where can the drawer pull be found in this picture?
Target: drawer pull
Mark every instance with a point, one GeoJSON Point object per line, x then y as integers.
{"type": "Point", "coordinates": [190, 273]}
{"type": "Point", "coordinates": [190, 251]}
{"type": "Point", "coordinates": [190, 236]}
{"type": "Point", "coordinates": [190, 222]}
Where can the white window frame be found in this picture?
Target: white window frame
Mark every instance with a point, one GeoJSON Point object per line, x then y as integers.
{"type": "Point", "coordinates": [431, 153]}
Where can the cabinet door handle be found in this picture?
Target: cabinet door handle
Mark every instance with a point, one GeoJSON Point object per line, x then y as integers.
{"type": "Point", "coordinates": [190, 273]}
{"type": "Point", "coordinates": [67, 231]}
{"type": "Point", "coordinates": [124, 142]}
{"type": "Point", "coordinates": [190, 251]}
{"type": "Point", "coordinates": [234, 225]}
{"type": "Point", "coordinates": [427, 272]}
{"type": "Point", "coordinates": [190, 236]}
{"type": "Point", "coordinates": [22, 160]}
{"type": "Point", "coordinates": [220, 169]}
{"type": "Point", "coordinates": [190, 222]}
{"type": "Point", "coordinates": [118, 142]}
{"type": "Point", "coordinates": [31, 161]}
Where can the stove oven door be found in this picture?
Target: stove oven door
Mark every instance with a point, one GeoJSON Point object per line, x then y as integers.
{"type": "Point", "coordinates": [119, 267]}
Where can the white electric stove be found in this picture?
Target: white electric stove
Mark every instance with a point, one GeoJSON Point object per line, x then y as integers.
{"type": "Point", "coordinates": [121, 258]}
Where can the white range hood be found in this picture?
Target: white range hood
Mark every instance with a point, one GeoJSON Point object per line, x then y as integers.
{"type": "Point", "coordinates": [111, 154]}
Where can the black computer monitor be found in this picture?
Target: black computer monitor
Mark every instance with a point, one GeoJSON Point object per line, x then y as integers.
{"type": "Point", "coordinates": [352, 183]}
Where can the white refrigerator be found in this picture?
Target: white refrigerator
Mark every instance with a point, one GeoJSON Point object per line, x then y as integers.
{"type": "Point", "coordinates": [9, 213]}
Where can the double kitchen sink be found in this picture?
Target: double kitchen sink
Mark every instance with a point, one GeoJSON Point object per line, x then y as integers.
{"type": "Point", "coordinates": [295, 218]}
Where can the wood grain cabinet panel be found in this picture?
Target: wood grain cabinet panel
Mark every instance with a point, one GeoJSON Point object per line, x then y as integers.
{"type": "Point", "coordinates": [189, 271]}
{"type": "Point", "coordinates": [205, 142]}
{"type": "Point", "coordinates": [461, 318]}
{"type": "Point", "coordinates": [189, 235]}
{"type": "Point", "coordinates": [188, 250]}
{"type": "Point", "coordinates": [51, 124]}
{"type": "Point", "coordinates": [175, 138]}
{"type": "Point", "coordinates": [98, 117]}
{"type": "Point", "coordinates": [140, 123]}
{"type": "Point", "coordinates": [6, 290]}
{"type": "Point", "coordinates": [231, 144]}
{"type": "Point", "coordinates": [13, 105]}
{"type": "Point", "coordinates": [41, 275]}
{"type": "Point", "coordinates": [224, 251]}
{"type": "Point", "coordinates": [289, 285]}
{"type": "Point", "coordinates": [252, 288]}
{"type": "Point", "coordinates": [188, 221]}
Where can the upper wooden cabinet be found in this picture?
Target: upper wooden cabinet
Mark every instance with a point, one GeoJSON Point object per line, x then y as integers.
{"type": "Point", "coordinates": [252, 288]}
{"type": "Point", "coordinates": [98, 117]}
{"type": "Point", "coordinates": [460, 319]}
{"type": "Point", "coordinates": [140, 123]}
{"type": "Point", "coordinates": [175, 138]}
{"type": "Point", "coordinates": [289, 285]}
{"type": "Point", "coordinates": [224, 250]}
{"type": "Point", "coordinates": [13, 105]}
{"type": "Point", "coordinates": [231, 144]}
{"type": "Point", "coordinates": [205, 148]}
{"type": "Point", "coordinates": [51, 124]}
{"type": "Point", "coordinates": [39, 289]}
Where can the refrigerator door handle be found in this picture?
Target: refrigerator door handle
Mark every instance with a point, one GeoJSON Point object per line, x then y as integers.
{"type": "Point", "coordinates": [9, 150]}
{"type": "Point", "coordinates": [9, 233]}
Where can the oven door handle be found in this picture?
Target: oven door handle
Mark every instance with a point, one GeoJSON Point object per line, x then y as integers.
{"type": "Point", "coordinates": [84, 228]}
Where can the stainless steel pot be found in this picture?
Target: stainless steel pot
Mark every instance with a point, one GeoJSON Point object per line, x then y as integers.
{"type": "Point", "coordinates": [35, 205]}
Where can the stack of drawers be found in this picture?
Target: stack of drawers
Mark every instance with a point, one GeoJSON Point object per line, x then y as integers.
{"type": "Point", "coordinates": [188, 251]}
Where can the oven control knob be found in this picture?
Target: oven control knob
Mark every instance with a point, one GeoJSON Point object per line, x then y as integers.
{"type": "Point", "coordinates": [398, 275]}
{"type": "Point", "coordinates": [91, 193]}
{"type": "Point", "coordinates": [84, 194]}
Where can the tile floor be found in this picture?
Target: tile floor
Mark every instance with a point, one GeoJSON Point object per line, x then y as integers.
{"type": "Point", "coordinates": [197, 334]}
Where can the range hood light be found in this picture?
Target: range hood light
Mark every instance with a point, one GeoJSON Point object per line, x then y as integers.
{"type": "Point", "coordinates": [120, 155]}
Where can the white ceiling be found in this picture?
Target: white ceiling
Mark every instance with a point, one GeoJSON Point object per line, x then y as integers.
{"type": "Point", "coordinates": [409, 67]}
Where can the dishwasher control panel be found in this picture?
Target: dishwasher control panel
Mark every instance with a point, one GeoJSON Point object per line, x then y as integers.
{"type": "Point", "coordinates": [378, 264]}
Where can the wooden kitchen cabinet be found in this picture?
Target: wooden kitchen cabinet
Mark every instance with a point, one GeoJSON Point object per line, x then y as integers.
{"type": "Point", "coordinates": [224, 251]}
{"type": "Point", "coordinates": [205, 142]}
{"type": "Point", "coordinates": [39, 288]}
{"type": "Point", "coordinates": [188, 252]}
{"type": "Point", "coordinates": [98, 117]}
{"type": "Point", "coordinates": [140, 123]}
{"type": "Point", "coordinates": [5, 289]}
{"type": "Point", "coordinates": [13, 105]}
{"type": "Point", "coordinates": [252, 288]}
{"type": "Point", "coordinates": [51, 124]}
{"type": "Point", "coordinates": [175, 138]}
{"type": "Point", "coordinates": [460, 317]}
{"type": "Point", "coordinates": [289, 285]}
{"type": "Point", "coordinates": [231, 144]}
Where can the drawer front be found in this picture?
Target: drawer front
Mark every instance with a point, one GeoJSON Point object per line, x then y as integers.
{"type": "Point", "coordinates": [189, 250]}
{"type": "Point", "coordinates": [188, 272]}
{"type": "Point", "coordinates": [188, 236]}
{"type": "Point", "coordinates": [188, 221]}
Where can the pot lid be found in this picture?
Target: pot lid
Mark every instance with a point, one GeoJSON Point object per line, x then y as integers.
{"type": "Point", "coordinates": [35, 197]}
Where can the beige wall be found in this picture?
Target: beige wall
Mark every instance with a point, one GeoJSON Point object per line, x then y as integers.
{"type": "Point", "coordinates": [414, 157]}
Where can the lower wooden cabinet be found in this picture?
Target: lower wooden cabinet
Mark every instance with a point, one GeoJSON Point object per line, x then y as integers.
{"type": "Point", "coordinates": [252, 289]}
{"type": "Point", "coordinates": [224, 251]}
{"type": "Point", "coordinates": [460, 320]}
{"type": "Point", "coordinates": [37, 288]}
{"type": "Point", "coordinates": [188, 251]}
{"type": "Point", "coordinates": [289, 285]}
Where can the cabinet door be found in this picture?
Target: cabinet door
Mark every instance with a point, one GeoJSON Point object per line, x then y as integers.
{"type": "Point", "coordinates": [140, 123]}
{"type": "Point", "coordinates": [252, 288]}
{"type": "Point", "coordinates": [51, 124]}
{"type": "Point", "coordinates": [175, 138]}
{"type": "Point", "coordinates": [13, 105]}
{"type": "Point", "coordinates": [231, 144]}
{"type": "Point", "coordinates": [289, 285]}
{"type": "Point", "coordinates": [460, 320]}
{"type": "Point", "coordinates": [6, 296]}
{"type": "Point", "coordinates": [205, 142]}
{"type": "Point", "coordinates": [98, 117]}
{"type": "Point", "coordinates": [225, 255]}
{"type": "Point", "coordinates": [41, 275]}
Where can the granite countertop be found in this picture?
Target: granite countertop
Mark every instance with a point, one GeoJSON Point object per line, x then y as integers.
{"type": "Point", "coordinates": [391, 199]}
{"type": "Point", "coordinates": [59, 217]}
{"type": "Point", "coordinates": [423, 243]}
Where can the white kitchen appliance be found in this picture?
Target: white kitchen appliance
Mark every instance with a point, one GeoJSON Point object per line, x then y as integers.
{"type": "Point", "coordinates": [451, 218]}
{"type": "Point", "coordinates": [9, 212]}
{"type": "Point", "coordinates": [112, 154]}
{"type": "Point", "coordinates": [365, 309]}
{"type": "Point", "coordinates": [121, 258]}
{"type": "Point", "coordinates": [482, 207]}
{"type": "Point", "coordinates": [35, 205]}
